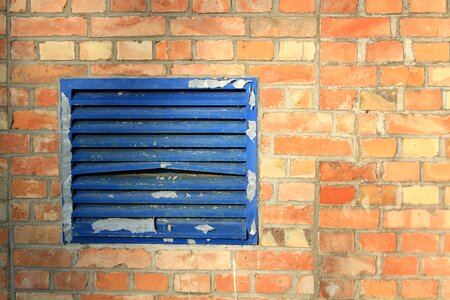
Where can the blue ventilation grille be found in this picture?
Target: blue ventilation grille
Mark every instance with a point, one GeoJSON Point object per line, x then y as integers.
{"type": "Point", "coordinates": [159, 161]}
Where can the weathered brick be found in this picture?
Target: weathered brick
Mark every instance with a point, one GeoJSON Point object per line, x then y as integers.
{"type": "Point", "coordinates": [208, 69]}
{"type": "Point", "coordinates": [349, 266]}
{"type": "Point", "coordinates": [47, 143]}
{"type": "Point", "coordinates": [417, 195]}
{"type": "Point", "coordinates": [110, 258]}
{"type": "Point", "coordinates": [336, 242]}
{"type": "Point", "coordinates": [300, 98]}
{"type": "Point", "coordinates": [272, 283]}
{"type": "Point", "coordinates": [47, 211]}
{"type": "Point", "coordinates": [211, 6]}
{"type": "Point", "coordinates": [338, 6]}
{"type": "Point", "coordinates": [411, 218]}
{"type": "Point", "coordinates": [271, 98]}
{"type": "Point", "coordinates": [225, 283]}
{"type": "Point", "coordinates": [88, 6]}
{"type": "Point", "coordinates": [355, 27]}
{"type": "Point", "coordinates": [207, 26]}
{"type": "Point", "coordinates": [71, 280]}
{"type": "Point", "coordinates": [423, 100]}
{"type": "Point", "coordinates": [44, 73]}
{"type": "Point", "coordinates": [439, 76]}
{"type": "Point", "coordinates": [169, 6]}
{"type": "Point", "coordinates": [431, 52]}
{"type": "Point", "coordinates": [294, 6]}
{"type": "Point", "coordinates": [348, 76]}
{"type": "Point", "coordinates": [20, 211]}
{"type": "Point", "coordinates": [253, 6]}
{"type": "Point", "coordinates": [131, 69]}
{"type": "Point", "coordinates": [286, 237]}
{"type": "Point", "coordinates": [18, 5]}
{"type": "Point", "coordinates": [417, 124]}
{"type": "Point", "coordinates": [436, 171]}
{"type": "Point", "coordinates": [128, 5]}
{"type": "Point", "coordinates": [283, 27]}
{"type": "Point", "coordinates": [401, 171]}
{"type": "Point", "coordinates": [41, 26]}
{"type": "Point", "coordinates": [408, 76]}
{"type": "Point", "coordinates": [348, 218]}
{"type": "Point", "coordinates": [419, 289]}
{"type": "Point", "coordinates": [337, 289]}
{"type": "Point", "coordinates": [188, 260]}
{"type": "Point", "coordinates": [42, 296]}
{"type": "Point", "coordinates": [337, 99]}
{"type": "Point", "coordinates": [286, 214]}
{"type": "Point", "coordinates": [35, 165]}
{"type": "Point", "coordinates": [377, 195]}
{"type": "Point", "coordinates": [343, 171]}
{"type": "Point", "coordinates": [384, 6]}
{"type": "Point", "coordinates": [274, 260]}
{"type": "Point", "coordinates": [45, 97]}
{"type": "Point", "coordinates": [338, 52]}
{"type": "Point", "coordinates": [134, 50]}
{"type": "Point", "coordinates": [425, 27]}
{"type": "Point", "coordinates": [43, 234]}
{"type": "Point", "coordinates": [436, 266]}
{"type": "Point", "coordinates": [400, 265]}
{"type": "Point", "coordinates": [418, 6]}
{"type": "Point", "coordinates": [270, 167]}
{"type": "Point", "coordinates": [214, 50]}
{"type": "Point", "coordinates": [23, 50]}
{"type": "Point", "coordinates": [300, 74]}
{"type": "Point", "coordinates": [379, 289]}
{"type": "Point", "coordinates": [173, 50]}
{"type": "Point", "coordinates": [151, 282]}
{"type": "Point", "coordinates": [31, 279]}
{"type": "Point", "coordinates": [47, 5]}
{"type": "Point", "coordinates": [316, 146]}
{"type": "Point", "coordinates": [113, 281]}
{"type": "Point", "coordinates": [378, 147]}
{"type": "Point", "coordinates": [42, 258]}
{"type": "Point", "coordinates": [29, 188]}
{"type": "Point", "coordinates": [127, 26]}
{"type": "Point", "coordinates": [18, 96]}
{"type": "Point", "coordinates": [387, 51]}
{"type": "Point", "coordinates": [14, 143]}
{"type": "Point", "coordinates": [303, 168]}
{"type": "Point", "coordinates": [420, 242]}
{"type": "Point", "coordinates": [95, 50]}
{"type": "Point", "coordinates": [192, 283]}
{"type": "Point", "coordinates": [254, 50]}
{"type": "Point", "coordinates": [296, 50]}
{"type": "Point", "coordinates": [296, 122]}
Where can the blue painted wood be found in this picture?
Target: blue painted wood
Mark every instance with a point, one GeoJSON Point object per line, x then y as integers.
{"type": "Point", "coordinates": [159, 127]}
{"type": "Point", "coordinates": [159, 155]}
{"type": "Point", "coordinates": [217, 168]}
{"type": "Point", "coordinates": [146, 240]}
{"type": "Point", "coordinates": [158, 211]}
{"type": "Point", "coordinates": [160, 182]}
{"type": "Point", "coordinates": [166, 113]}
{"type": "Point", "coordinates": [148, 197]}
{"type": "Point", "coordinates": [158, 141]}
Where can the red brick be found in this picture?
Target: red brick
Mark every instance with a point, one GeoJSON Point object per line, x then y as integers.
{"type": "Point", "coordinates": [348, 76]}
{"type": "Point", "coordinates": [215, 50]}
{"type": "Point", "coordinates": [436, 171]}
{"type": "Point", "coordinates": [417, 124]}
{"type": "Point", "coordinates": [151, 282]}
{"type": "Point", "coordinates": [225, 283]}
{"type": "Point", "coordinates": [47, 211]}
{"type": "Point", "coordinates": [401, 171]}
{"type": "Point", "coordinates": [3, 48]}
{"type": "Point", "coordinates": [425, 27]}
{"type": "Point", "coordinates": [349, 266]}
{"type": "Point", "coordinates": [44, 97]}
{"type": "Point", "coordinates": [255, 50]}
{"type": "Point", "coordinates": [188, 260]}
{"type": "Point", "coordinates": [292, 191]}
{"type": "Point", "coordinates": [409, 76]}
{"type": "Point", "coordinates": [436, 6]}
{"type": "Point", "coordinates": [384, 6]}
{"type": "Point", "coordinates": [169, 6]}
{"type": "Point", "coordinates": [173, 50]}
{"type": "Point", "coordinates": [208, 69]}
{"type": "Point", "coordinates": [387, 51]}
{"type": "Point", "coordinates": [211, 6]}
{"type": "Point", "coordinates": [253, 6]}
{"type": "Point", "coordinates": [338, 52]}
{"type": "Point", "coordinates": [283, 27]}
{"type": "Point", "coordinates": [133, 296]}
{"type": "Point", "coordinates": [45, 143]}
{"type": "Point", "coordinates": [3, 236]}
{"type": "Point", "coordinates": [4, 280]}
{"type": "Point", "coordinates": [272, 283]}
{"type": "Point", "coordinates": [348, 218]}
{"type": "Point", "coordinates": [192, 283]}
{"type": "Point", "coordinates": [337, 289]}
{"type": "Point", "coordinates": [110, 258]}
{"type": "Point", "coordinates": [336, 194]}
{"type": "Point", "coordinates": [343, 171]}
{"type": "Point", "coordinates": [338, 6]}
{"type": "Point", "coordinates": [312, 146]}
{"type": "Point", "coordinates": [400, 265]}
{"type": "Point", "coordinates": [127, 26]}
{"type": "Point", "coordinates": [419, 289]}
{"type": "Point", "coordinates": [337, 242]}
{"type": "Point", "coordinates": [20, 211]}
{"type": "Point", "coordinates": [71, 280]}
{"type": "Point", "coordinates": [28, 188]}
{"type": "Point", "coordinates": [378, 242]}
{"type": "Point", "coordinates": [25, 279]}
{"type": "Point", "coordinates": [296, 122]}
{"type": "Point", "coordinates": [294, 6]}
{"type": "Point", "coordinates": [48, 5]}
{"type": "Point", "coordinates": [271, 98]}
{"type": "Point", "coordinates": [42, 234]}
{"type": "Point", "coordinates": [37, 119]}
{"type": "Point", "coordinates": [274, 260]}
{"type": "Point", "coordinates": [14, 143]}
{"type": "Point", "coordinates": [300, 74]}
{"type": "Point", "coordinates": [423, 100]}
{"type": "Point", "coordinates": [113, 281]}
{"type": "Point", "coordinates": [286, 214]}
{"type": "Point", "coordinates": [431, 52]}
{"type": "Point", "coordinates": [265, 191]}
{"type": "Point", "coordinates": [3, 96]}
{"type": "Point", "coordinates": [40, 26]}
{"type": "Point", "coordinates": [44, 73]}
{"type": "Point", "coordinates": [88, 6]}
{"type": "Point", "coordinates": [207, 26]}
{"type": "Point", "coordinates": [128, 5]}
{"type": "Point", "coordinates": [42, 296]}
{"type": "Point", "coordinates": [355, 27]}
{"type": "Point", "coordinates": [420, 242]}
{"type": "Point", "coordinates": [436, 266]}
{"type": "Point", "coordinates": [337, 99]}
{"type": "Point", "coordinates": [19, 97]}
{"type": "Point", "coordinates": [41, 166]}
{"type": "Point", "coordinates": [129, 69]}
{"type": "Point", "coordinates": [377, 195]}
{"type": "Point", "coordinates": [380, 289]}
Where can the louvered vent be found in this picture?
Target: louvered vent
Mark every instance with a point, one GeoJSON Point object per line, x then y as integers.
{"type": "Point", "coordinates": [159, 161]}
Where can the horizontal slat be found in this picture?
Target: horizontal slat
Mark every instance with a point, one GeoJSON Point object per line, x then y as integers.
{"type": "Point", "coordinates": [158, 141]}
{"type": "Point", "coordinates": [167, 113]}
{"type": "Point", "coordinates": [161, 182]}
{"type": "Point", "coordinates": [179, 228]}
{"type": "Point", "coordinates": [105, 155]}
{"type": "Point", "coordinates": [158, 211]}
{"type": "Point", "coordinates": [159, 197]}
{"type": "Point", "coordinates": [220, 168]}
{"type": "Point", "coordinates": [159, 127]}
{"type": "Point", "coordinates": [161, 98]}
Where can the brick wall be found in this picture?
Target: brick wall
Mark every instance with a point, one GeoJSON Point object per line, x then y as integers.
{"type": "Point", "coordinates": [354, 145]}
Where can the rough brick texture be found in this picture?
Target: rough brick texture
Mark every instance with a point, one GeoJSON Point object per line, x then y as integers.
{"type": "Point", "coordinates": [354, 145]}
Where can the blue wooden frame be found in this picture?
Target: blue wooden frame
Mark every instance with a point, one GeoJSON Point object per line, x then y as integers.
{"type": "Point", "coordinates": [69, 86]}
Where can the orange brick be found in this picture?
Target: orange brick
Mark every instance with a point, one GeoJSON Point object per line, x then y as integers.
{"type": "Point", "coordinates": [20, 211]}
{"type": "Point", "coordinates": [378, 242]}
{"type": "Point", "coordinates": [18, 5]}
{"type": "Point", "coordinates": [113, 281]}
{"type": "Point", "coordinates": [71, 280]}
{"type": "Point", "coordinates": [128, 69]}
{"type": "Point", "coordinates": [192, 283]}
{"type": "Point", "coordinates": [253, 6]}
{"type": "Point", "coordinates": [382, 289]}
{"type": "Point", "coordinates": [272, 283]}
{"type": "Point", "coordinates": [337, 242]}
{"type": "Point", "coordinates": [28, 119]}
{"type": "Point", "coordinates": [225, 283]}
{"type": "Point", "coordinates": [286, 214]}
{"type": "Point", "coordinates": [296, 122]}
{"type": "Point", "coordinates": [18, 96]}
{"type": "Point", "coordinates": [436, 6]}
{"type": "Point", "coordinates": [215, 50]}
{"type": "Point", "coordinates": [338, 52]}
{"type": "Point", "coordinates": [173, 50]}
{"type": "Point", "coordinates": [400, 265]}
{"type": "Point", "coordinates": [274, 260]}
{"type": "Point", "coordinates": [41, 166]}
{"type": "Point", "coordinates": [254, 50]}
{"type": "Point", "coordinates": [431, 52]}
{"type": "Point", "coordinates": [446, 288]}
{"type": "Point", "coordinates": [128, 5]}
{"type": "Point", "coordinates": [337, 289]}
{"type": "Point", "coordinates": [27, 279]}
{"type": "Point", "coordinates": [207, 26]}
{"type": "Point", "coordinates": [412, 218]}
{"type": "Point", "coordinates": [40, 26]}
{"type": "Point", "coordinates": [47, 5]}
{"type": "Point", "coordinates": [42, 234]}
{"type": "Point", "coordinates": [439, 76]}
{"type": "Point", "coordinates": [127, 26]}
{"type": "Point", "coordinates": [208, 69]}
{"type": "Point", "coordinates": [419, 289]}
{"type": "Point", "coordinates": [300, 98]}
{"type": "Point", "coordinates": [110, 257]}
{"type": "Point", "coordinates": [378, 147]}
{"type": "Point", "coordinates": [387, 51]}
{"type": "Point", "coordinates": [338, 6]}
{"type": "Point", "coordinates": [88, 6]}
{"type": "Point", "coordinates": [45, 143]}
{"type": "Point", "coordinates": [14, 143]}
{"type": "Point", "coordinates": [312, 146]}
{"type": "Point", "coordinates": [44, 73]}
{"type": "Point", "coordinates": [300, 74]}
{"type": "Point", "coordinates": [355, 27]}
{"type": "Point", "coordinates": [271, 98]}
{"type": "Point", "coordinates": [43, 296]}
{"type": "Point", "coordinates": [303, 168]}
{"type": "Point", "coordinates": [417, 124]}
{"type": "Point", "coordinates": [436, 171]}
{"type": "Point", "coordinates": [29, 188]}
{"type": "Point", "coordinates": [188, 260]}
{"type": "Point", "coordinates": [423, 100]}
{"type": "Point", "coordinates": [44, 97]}
{"type": "Point", "coordinates": [420, 243]}
{"type": "Point", "coordinates": [384, 6]}
{"type": "Point", "coordinates": [290, 191]}
{"type": "Point", "coordinates": [349, 266]}
{"type": "Point", "coordinates": [425, 27]}
{"type": "Point", "coordinates": [23, 50]}
{"type": "Point", "coordinates": [151, 282]}
{"type": "Point", "coordinates": [294, 6]}
{"type": "Point", "coordinates": [134, 50]}
{"type": "Point", "coordinates": [211, 6]}
{"type": "Point", "coordinates": [377, 195]}
{"type": "Point", "coordinates": [367, 123]}
{"type": "Point", "coordinates": [96, 50]}
{"type": "Point", "coordinates": [348, 218]}
{"type": "Point", "coordinates": [401, 171]}
{"type": "Point", "coordinates": [337, 99]}
{"type": "Point", "coordinates": [409, 76]}
{"type": "Point", "coordinates": [336, 194]}
{"type": "Point", "coordinates": [169, 6]}
{"type": "Point", "coordinates": [343, 171]}
{"type": "Point", "coordinates": [47, 211]}
{"type": "Point", "coordinates": [348, 76]}
{"type": "Point", "coordinates": [265, 191]}
{"type": "Point", "coordinates": [345, 123]}
{"type": "Point", "coordinates": [283, 27]}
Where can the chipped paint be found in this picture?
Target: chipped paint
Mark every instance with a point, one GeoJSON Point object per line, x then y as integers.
{"type": "Point", "coordinates": [251, 186]}
{"type": "Point", "coordinates": [251, 131]}
{"type": "Point", "coordinates": [240, 83]}
{"type": "Point", "coordinates": [217, 83]}
{"type": "Point", "coordinates": [168, 240]}
{"type": "Point", "coordinates": [204, 228]}
{"type": "Point", "coordinates": [169, 227]}
{"type": "Point", "coordinates": [252, 100]}
{"type": "Point", "coordinates": [165, 165]}
{"type": "Point", "coordinates": [191, 241]}
{"type": "Point", "coordinates": [164, 194]}
{"type": "Point", "coordinates": [66, 162]}
{"type": "Point", "coordinates": [131, 225]}
{"type": "Point", "coordinates": [253, 228]}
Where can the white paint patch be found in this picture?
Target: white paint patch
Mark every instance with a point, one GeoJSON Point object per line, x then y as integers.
{"type": "Point", "coordinates": [208, 83]}
{"type": "Point", "coordinates": [164, 194]}
{"type": "Point", "coordinates": [131, 225]}
{"type": "Point", "coordinates": [168, 240]}
{"type": "Point", "coordinates": [253, 228]}
{"type": "Point", "coordinates": [204, 228]}
{"type": "Point", "coordinates": [164, 165]}
{"type": "Point", "coordinates": [251, 186]}
{"type": "Point", "coordinates": [65, 166]}
{"type": "Point", "coordinates": [251, 131]}
{"type": "Point", "coordinates": [169, 227]}
{"type": "Point", "coordinates": [332, 290]}
{"type": "Point", "coordinates": [240, 83]}
{"type": "Point", "coordinates": [191, 241]}
{"type": "Point", "coordinates": [252, 100]}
